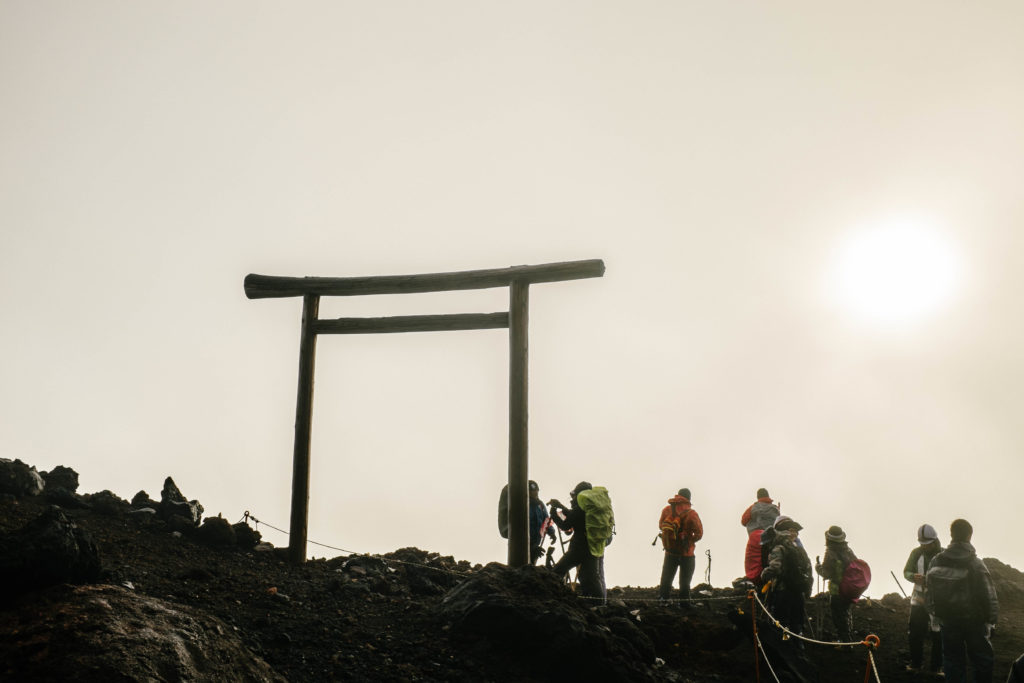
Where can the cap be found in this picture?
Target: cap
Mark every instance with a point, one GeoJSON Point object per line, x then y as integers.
{"type": "Point", "coordinates": [784, 523]}
{"type": "Point", "coordinates": [762, 493]}
{"type": "Point", "coordinates": [926, 534]}
{"type": "Point", "coordinates": [835, 534]}
{"type": "Point", "coordinates": [685, 493]}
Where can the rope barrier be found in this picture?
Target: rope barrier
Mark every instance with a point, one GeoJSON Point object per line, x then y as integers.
{"type": "Point", "coordinates": [247, 516]}
{"type": "Point", "coordinates": [871, 641]}
{"type": "Point", "coordinates": [757, 641]}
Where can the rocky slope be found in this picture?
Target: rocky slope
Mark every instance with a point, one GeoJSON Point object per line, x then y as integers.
{"type": "Point", "coordinates": [92, 588]}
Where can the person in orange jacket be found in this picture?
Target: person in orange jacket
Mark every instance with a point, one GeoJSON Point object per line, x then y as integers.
{"type": "Point", "coordinates": [756, 518]}
{"type": "Point", "coordinates": [680, 528]}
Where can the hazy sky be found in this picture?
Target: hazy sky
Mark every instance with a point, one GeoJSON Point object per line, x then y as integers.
{"type": "Point", "coordinates": [724, 159]}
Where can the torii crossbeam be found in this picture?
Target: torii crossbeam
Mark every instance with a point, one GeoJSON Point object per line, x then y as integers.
{"type": "Point", "coordinates": [517, 278]}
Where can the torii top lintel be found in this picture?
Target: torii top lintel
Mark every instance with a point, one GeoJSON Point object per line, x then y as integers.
{"type": "Point", "coordinates": [273, 286]}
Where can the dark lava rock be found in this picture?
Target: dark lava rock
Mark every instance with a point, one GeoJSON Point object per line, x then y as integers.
{"type": "Point", "coordinates": [19, 479]}
{"type": "Point", "coordinates": [142, 500]}
{"type": "Point", "coordinates": [61, 477]}
{"type": "Point", "coordinates": [107, 503]}
{"type": "Point", "coordinates": [106, 633]}
{"type": "Point", "coordinates": [46, 551]}
{"type": "Point", "coordinates": [216, 532]}
{"type": "Point", "coordinates": [174, 504]}
{"type": "Point", "coordinates": [58, 495]}
{"type": "Point", "coordinates": [245, 536]}
{"type": "Point", "coordinates": [530, 619]}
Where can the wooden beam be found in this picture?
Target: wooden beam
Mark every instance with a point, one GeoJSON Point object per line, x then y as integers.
{"type": "Point", "coordinates": [518, 469]}
{"type": "Point", "coordinates": [273, 286]}
{"type": "Point", "coordinates": [414, 323]}
{"type": "Point", "coordinates": [303, 430]}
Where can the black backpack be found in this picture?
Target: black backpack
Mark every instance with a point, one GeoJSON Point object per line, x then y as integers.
{"type": "Point", "coordinates": [796, 569]}
{"type": "Point", "coordinates": [949, 591]}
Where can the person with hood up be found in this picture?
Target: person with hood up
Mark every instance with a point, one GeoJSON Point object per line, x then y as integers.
{"type": "Point", "coordinates": [838, 556]}
{"type": "Point", "coordinates": [680, 528]}
{"type": "Point", "coordinates": [540, 523]}
{"type": "Point", "coordinates": [789, 573]}
{"type": "Point", "coordinates": [574, 520]}
{"type": "Point", "coordinates": [960, 592]}
{"type": "Point", "coordinates": [756, 518]}
{"type": "Point", "coordinates": [922, 623]}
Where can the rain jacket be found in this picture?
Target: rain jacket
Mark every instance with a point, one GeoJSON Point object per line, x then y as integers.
{"type": "Point", "coordinates": [837, 557]}
{"type": "Point", "coordinates": [788, 566]}
{"type": "Point", "coordinates": [690, 528]}
{"type": "Point", "coordinates": [600, 521]}
{"type": "Point", "coordinates": [918, 563]}
{"type": "Point", "coordinates": [760, 515]}
{"type": "Point", "coordinates": [979, 602]}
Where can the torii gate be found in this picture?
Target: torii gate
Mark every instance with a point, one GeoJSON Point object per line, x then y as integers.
{"type": "Point", "coordinates": [517, 278]}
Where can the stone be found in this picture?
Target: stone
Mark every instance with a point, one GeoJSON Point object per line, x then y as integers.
{"type": "Point", "coordinates": [174, 504]}
{"type": "Point", "coordinates": [61, 477]}
{"type": "Point", "coordinates": [48, 550]}
{"type": "Point", "coordinates": [245, 536]}
{"type": "Point", "coordinates": [107, 503]}
{"type": "Point", "coordinates": [216, 532]}
{"type": "Point", "coordinates": [107, 633]}
{"type": "Point", "coordinates": [19, 479]}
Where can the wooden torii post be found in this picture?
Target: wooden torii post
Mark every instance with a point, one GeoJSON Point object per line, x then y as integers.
{"type": "Point", "coordinates": [517, 278]}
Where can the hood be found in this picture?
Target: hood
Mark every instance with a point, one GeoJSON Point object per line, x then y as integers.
{"type": "Point", "coordinates": [679, 500]}
{"type": "Point", "coordinates": [960, 552]}
{"type": "Point", "coordinates": [766, 499]}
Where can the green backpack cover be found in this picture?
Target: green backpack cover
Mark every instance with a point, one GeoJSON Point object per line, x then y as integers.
{"type": "Point", "coordinates": [600, 518]}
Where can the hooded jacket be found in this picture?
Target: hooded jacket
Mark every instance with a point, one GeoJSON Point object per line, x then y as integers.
{"type": "Point", "coordinates": [690, 528]}
{"type": "Point", "coordinates": [918, 563]}
{"type": "Point", "coordinates": [760, 515]}
{"type": "Point", "coordinates": [977, 601]}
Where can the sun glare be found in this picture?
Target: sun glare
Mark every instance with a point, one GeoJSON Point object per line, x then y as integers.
{"type": "Point", "coordinates": [896, 272]}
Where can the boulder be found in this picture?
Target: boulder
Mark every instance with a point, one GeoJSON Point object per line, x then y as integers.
{"type": "Point", "coordinates": [142, 500]}
{"type": "Point", "coordinates": [46, 551]}
{"type": "Point", "coordinates": [106, 502]}
{"type": "Point", "coordinates": [174, 504]}
{"type": "Point", "coordinates": [245, 536]}
{"type": "Point", "coordinates": [61, 477]}
{"type": "Point", "coordinates": [528, 617]}
{"type": "Point", "coordinates": [107, 633]}
{"type": "Point", "coordinates": [19, 479]}
{"type": "Point", "coordinates": [216, 532]}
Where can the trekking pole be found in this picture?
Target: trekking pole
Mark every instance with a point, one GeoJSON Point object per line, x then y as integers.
{"type": "Point", "coordinates": [898, 584]}
{"type": "Point", "coordinates": [655, 539]}
{"type": "Point", "coordinates": [707, 574]}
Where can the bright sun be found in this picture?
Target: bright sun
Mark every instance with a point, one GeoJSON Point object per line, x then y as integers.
{"type": "Point", "coordinates": [896, 271]}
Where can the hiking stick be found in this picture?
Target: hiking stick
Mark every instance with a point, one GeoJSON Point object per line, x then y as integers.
{"type": "Point", "coordinates": [898, 584]}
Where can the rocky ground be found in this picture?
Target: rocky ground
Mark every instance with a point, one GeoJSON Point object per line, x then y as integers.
{"type": "Point", "coordinates": [167, 599]}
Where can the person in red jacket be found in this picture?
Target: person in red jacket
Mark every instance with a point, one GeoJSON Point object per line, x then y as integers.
{"type": "Point", "coordinates": [756, 518]}
{"type": "Point", "coordinates": [680, 529]}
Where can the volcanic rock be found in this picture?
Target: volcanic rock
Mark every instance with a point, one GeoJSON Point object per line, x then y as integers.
{"type": "Point", "coordinates": [107, 633]}
{"type": "Point", "coordinates": [46, 551]}
{"type": "Point", "coordinates": [19, 479]}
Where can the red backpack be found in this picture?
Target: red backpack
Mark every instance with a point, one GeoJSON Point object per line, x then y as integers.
{"type": "Point", "coordinates": [856, 578]}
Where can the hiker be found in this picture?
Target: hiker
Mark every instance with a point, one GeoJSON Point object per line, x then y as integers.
{"type": "Point", "coordinates": [838, 556]}
{"type": "Point", "coordinates": [539, 521]}
{"type": "Point", "coordinates": [959, 591]}
{"type": "Point", "coordinates": [759, 516]}
{"type": "Point", "coordinates": [680, 529]}
{"type": "Point", "coordinates": [591, 522]}
{"type": "Point", "coordinates": [922, 623]}
{"type": "Point", "coordinates": [787, 576]}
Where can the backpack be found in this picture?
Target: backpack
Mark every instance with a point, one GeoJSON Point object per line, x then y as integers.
{"type": "Point", "coordinates": [796, 569]}
{"type": "Point", "coordinates": [503, 512]}
{"type": "Point", "coordinates": [670, 529]}
{"type": "Point", "coordinates": [597, 504]}
{"type": "Point", "coordinates": [949, 591]}
{"type": "Point", "coordinates": [856, 578]}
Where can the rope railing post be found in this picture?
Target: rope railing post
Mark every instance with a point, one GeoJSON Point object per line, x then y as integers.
{"type": "Point", "coordinates": [871, 641]}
